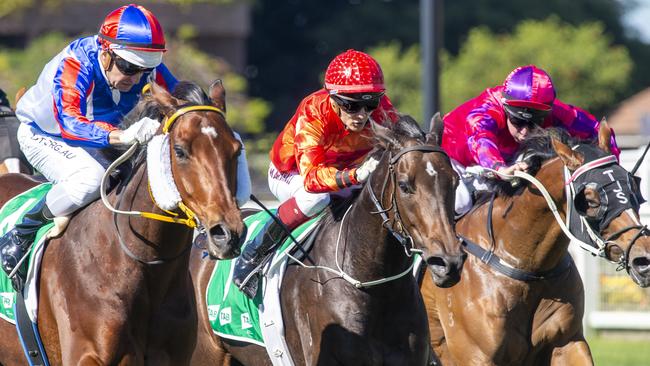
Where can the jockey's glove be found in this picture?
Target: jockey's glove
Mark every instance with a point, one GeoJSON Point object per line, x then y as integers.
{"type": "Point", "coordinates": [363, 171]}
{"type": "Point", "coordinates": [141, 131]}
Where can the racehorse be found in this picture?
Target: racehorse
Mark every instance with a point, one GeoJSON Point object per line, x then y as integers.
{"type": "Point", "coordinates": [521, 302]}
{"type": "Point", "coordinates": [115, 289]}
{"type": "Point", "coordinates": [11, 158]}
{"type": "Point", "coordinates": [406, 206]}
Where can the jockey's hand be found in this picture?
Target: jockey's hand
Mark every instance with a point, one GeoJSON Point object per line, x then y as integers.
{"type": "Point", "coordinates": [141, 131]}
{"type": "Point", "coordinates": [363, 172]}
{"type": "Point", "coordinates": [510, 170]}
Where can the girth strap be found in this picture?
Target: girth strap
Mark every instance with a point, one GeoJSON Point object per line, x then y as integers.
{"type": "Point", "coordinates": [28, 334]}
{"type": "Point", "coordinates": [491, 259]}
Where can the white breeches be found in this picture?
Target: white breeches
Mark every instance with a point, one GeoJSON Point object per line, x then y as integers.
{"type": "Point", "coordinates": [75, 174]}
{"type": "Point", "coordinates": [291, 184]}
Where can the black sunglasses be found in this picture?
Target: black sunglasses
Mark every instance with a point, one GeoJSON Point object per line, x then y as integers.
{"type": "Point", "coordinates": [355, 106]}
{"type": "Point", "coordinates": [521, 123]}
{"type": "Point", "coordinates": [125, 67]}
{"type": "Point", "coordinates": [521, 117]}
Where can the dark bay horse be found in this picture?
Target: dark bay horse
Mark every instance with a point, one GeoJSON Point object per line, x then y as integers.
{"type": "Point", "coordinates": [525, 305]}
{"type": "Point", "coordinates": [115, 289]}
{"type": "Point", "coordinates": [327, 320]}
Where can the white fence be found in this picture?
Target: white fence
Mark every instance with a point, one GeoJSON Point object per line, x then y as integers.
{"type": "Point", "coordinates": [612, 300]}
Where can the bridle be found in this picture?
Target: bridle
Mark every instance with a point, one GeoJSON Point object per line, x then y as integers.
{"type": "Point", "coordinates": [395, 226]}
{"type": "Point", "coordinates": [190, 219]}
{"type": "Point", "coordinates": [603, 243]}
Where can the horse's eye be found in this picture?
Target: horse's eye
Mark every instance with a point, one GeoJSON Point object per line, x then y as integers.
{"type": "Point", "coordinates": [405, 187]}
{"type": "Point", "coordinates": [180, 152]}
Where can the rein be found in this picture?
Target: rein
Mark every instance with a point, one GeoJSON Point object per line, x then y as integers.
{"type": "Point", "coordinates": [602, 243]}
{"type": "Point", "coordinates": [405, 240]}
{"type": "Point", "coordinates": [190, 219]}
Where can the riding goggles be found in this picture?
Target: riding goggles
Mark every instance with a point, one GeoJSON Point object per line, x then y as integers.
{"type": "Point", "coordinates": [356, 102]}
{"type": "Point", "coordinates": [126, 67]}
{"type": "Point", "coordinates": [521, 117]}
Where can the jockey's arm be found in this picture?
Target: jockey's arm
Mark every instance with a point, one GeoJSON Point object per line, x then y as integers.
{"type": "Point", "coordinates": [310, 156]}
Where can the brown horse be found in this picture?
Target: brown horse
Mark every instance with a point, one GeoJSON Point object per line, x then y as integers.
{"type": "Point", "coordinates": [12, 159]}
{"type": "Point", "coordinates": [521, 302]}
{"type": "Point", "coordinates": [115, 289]}
{"type": "Point", "coordinates": [406, 206]}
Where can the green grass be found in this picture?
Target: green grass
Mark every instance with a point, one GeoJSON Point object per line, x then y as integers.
{"type": "Point", "coordinates": [619, 351]}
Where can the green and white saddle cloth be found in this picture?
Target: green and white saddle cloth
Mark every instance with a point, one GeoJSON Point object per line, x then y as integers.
{"type": "Point", "coordinates": [11, 213]}
{"type": "Point", "coordinates": [235, 316]}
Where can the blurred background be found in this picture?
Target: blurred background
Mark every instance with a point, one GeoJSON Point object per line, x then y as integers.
{"type": "Point", "coordinates": [272, 53]}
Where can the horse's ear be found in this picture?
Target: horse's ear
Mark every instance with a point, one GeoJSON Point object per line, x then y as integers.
{"type": "Point", "coordinates": [605, 136]}
{"type": "Point", "coordinates": [19, 94]}
{"type": "Point", "coordinates": [436, 126]}
{"type": "Point", "coordinates": [571, 159]}
{"type": "Point", "coordinates": [385, 136]}
{"type": "Point", "coordinates": [162, 97]}
{"type": "Point", "coordinates": [218, 94]}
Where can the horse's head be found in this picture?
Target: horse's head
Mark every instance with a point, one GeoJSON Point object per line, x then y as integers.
{"type": "Point", "coordinates": [204, 154]}
{"type": "Point", "coordinates": [608, 199]}
{"type": "Point", "coordinates": [415, 182]}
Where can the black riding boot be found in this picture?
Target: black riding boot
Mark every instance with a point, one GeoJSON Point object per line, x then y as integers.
{"type": "Point", "coordinates": [245, 273]}
{"type": "Point", "coordinates": [16, 243]}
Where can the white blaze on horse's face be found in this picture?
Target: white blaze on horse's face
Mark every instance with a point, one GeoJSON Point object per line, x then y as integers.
{"type": "Point", "coordinates": [209, 131]}
{"type": "Point", "coordinates": [430, 170]}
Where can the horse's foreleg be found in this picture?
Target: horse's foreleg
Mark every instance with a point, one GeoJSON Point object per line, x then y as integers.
{"type": "Point", "coordinates": [440, 354]}
{"type": "Point", "coordinates": [573, 353]}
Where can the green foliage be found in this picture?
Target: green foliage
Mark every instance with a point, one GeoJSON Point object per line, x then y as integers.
{"type": "Point", "coordinates": [20, 68]}
{"type": "Point", "coordinates": [188, 63]}
{"type": "Point", "coordinates": [587, 70]}
{"type": "Point", "coordinates": [402, 75]}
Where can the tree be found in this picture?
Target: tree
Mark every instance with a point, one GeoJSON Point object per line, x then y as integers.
{"type": "Point", "coordinates": [586, 68]}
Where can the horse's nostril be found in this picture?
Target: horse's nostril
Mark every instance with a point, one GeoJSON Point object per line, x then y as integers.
{"type": "Point", "coordinates": [641, 264]}
{"type": "Point", "coordinates": [436, 262]}
{"type": "Point", "coordinates": [217, 230]}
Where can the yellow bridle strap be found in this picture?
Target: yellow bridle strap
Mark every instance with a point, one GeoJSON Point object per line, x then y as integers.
{"type": "Point", "coordinates": [170, 121]}
{"type": "Point", "coordinates": [189, 221]}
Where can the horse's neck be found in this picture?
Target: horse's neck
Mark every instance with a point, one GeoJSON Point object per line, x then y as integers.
{"type": "Point", "coordinates": [537, 242]}
{"type": "Point", "coordinates": [366, 250]}
{"type": "Point", "coordinates": [149, 238]}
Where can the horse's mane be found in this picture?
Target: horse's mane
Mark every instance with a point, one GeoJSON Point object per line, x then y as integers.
{"type": "Point", "coordinates": [186, 91]}
{"type": "Point", "coordinates": [537, 149]}
{"type": "Point", "coordinates": [394, 136]}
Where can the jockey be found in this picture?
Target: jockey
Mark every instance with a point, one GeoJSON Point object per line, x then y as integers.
{"type": "Point", "coordinates": [488, 129]}
{"type": "Point", "coordinates": [71, 115]}
{"type": "Point", "coordinates": [321, 152]}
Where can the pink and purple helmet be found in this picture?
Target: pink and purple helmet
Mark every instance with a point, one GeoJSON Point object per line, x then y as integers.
{"type": "Point", "coordinates": [529, 87]}
{"type": "Point", "coordinates": [133, 33]}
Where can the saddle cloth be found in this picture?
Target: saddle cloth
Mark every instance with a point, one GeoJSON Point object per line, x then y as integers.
{"type": "Point", "coordinates": [259, 320]}
{"type": "Point", "coordinates": [11, 213]}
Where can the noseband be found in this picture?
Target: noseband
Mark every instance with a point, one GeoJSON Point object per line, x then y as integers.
{"type": "Point", "coordinates": [401, 233]}
{"type": "Point", "coordinates": [610, 198]}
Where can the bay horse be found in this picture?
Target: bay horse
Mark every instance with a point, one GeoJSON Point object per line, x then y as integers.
{"type": "Point", "coordinates": [522, 301]}
{"type": "Point", "coordinates": [329, 321]}
{"type": "Point", "coordinates": [115, 289]}
{"type": "Point", "coordinates": [12, 159]}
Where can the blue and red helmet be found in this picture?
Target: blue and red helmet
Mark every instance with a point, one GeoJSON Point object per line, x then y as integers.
{"type": "Point", "coordinates": [134, 34]}
{"type": "Point", "coordinates": [529, 87]}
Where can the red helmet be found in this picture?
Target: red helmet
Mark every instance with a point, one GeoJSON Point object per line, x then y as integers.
{"type": "Point", "coordinates": [134, 34]}
{"type": "Point", "coordinates": [354, 72]}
